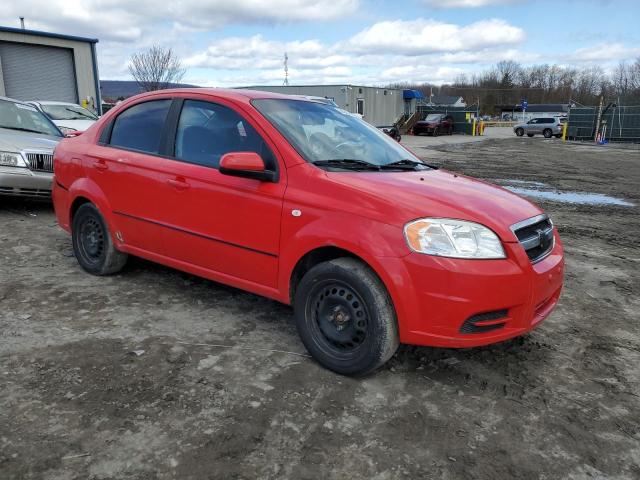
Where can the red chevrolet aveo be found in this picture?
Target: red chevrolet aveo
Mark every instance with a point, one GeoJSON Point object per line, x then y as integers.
{"type": "Point", "coordinates": [304, 203]}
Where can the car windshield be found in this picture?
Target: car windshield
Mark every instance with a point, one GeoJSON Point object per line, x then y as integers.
{"type": "Point", "coordinates": [433, 117]}
{"type": "Point", "coordinates": [322, 133]}
{"type": "Point", "coordinates": [25, 118]}
{"type": "Point", "coordinates": [68, 112]}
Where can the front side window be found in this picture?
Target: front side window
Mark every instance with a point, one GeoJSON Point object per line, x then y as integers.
{"type": "Point", "coordinates": [206, 131]}
{"type": "Point", "coordinates": [25, 118]}
{"type": "Point", "coordinates": [140, 127]}
{"type": "Point", "coordinates": [323, 133]}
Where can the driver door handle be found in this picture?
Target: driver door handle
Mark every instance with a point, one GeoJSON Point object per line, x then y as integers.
{"type": "Point", "coordinates": [100, 165]}
{"type": "Point", "coordinates": [178, 183]}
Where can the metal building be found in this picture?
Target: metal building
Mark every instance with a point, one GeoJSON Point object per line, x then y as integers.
{"type": "Point", "coordinates": [378, 106]}
{"type": "Point", "coordinates": [48, 66]}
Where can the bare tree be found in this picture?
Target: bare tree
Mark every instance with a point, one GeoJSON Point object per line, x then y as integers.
{"type": "Point", "coordinates": [156, 68]}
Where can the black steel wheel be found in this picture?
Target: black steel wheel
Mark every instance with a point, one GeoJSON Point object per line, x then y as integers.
{"type": "Point", "coordinates": [92, 244]}
{"type": "Point", "coordinates": [339, 315]}
{"type": "Point", "coordinates": [345, 317]}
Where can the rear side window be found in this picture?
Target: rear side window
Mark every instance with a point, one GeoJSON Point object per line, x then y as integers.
{"type": "Point", "coordinates": [206, 131]}
{"type": "Point", "coordinates": [140, 127]}
{"type": "Point", "coordinates": [548, 120]}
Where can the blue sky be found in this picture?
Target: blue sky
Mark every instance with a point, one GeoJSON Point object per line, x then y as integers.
{"type": "Point", "coordinates": [241, 42]}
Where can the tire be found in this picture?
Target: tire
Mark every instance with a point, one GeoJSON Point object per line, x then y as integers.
{"type": "Point", "coordinates": [92, 244]}
{"type": "Point", "coordinates": [547, 133]}
{"type": "Point", "coordinates": [519, 132]}
{"type": "Point", "coordinates": [435, 132]}
{"type": "Point", "coordinates": [529, 135]}
{"type": "Point", "coordinates": [345, 317]}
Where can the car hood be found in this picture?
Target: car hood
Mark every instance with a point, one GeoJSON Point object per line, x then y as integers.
{"type": "Point", "coordinates": [399, 197]}
{"type": "Point", "coordinates": [14, 140]}
{"type": "Point", "coordinates": [79, 125]}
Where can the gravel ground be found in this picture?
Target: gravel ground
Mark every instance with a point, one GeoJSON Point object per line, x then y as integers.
{"type": "Point", "coordinates": [156, 374]}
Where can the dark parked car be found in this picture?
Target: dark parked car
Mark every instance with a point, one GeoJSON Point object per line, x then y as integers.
{"type": "Point", "coordinates": [392, 131]}
{"type": "Point", "coordinates": [434, 124]}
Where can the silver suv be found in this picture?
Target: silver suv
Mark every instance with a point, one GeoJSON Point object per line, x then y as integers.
{"type": "Point", "coordinates": [27, 140]}
{"type": "Point", "coordinates": [547, 126]}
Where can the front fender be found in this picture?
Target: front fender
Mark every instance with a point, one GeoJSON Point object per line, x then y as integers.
{"type": "Point", "coordinates": [374, 242]}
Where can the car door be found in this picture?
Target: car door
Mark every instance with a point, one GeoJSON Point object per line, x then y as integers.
{"type": "Point", "coordinates": [532, 126]}
{"type": "Point", "coordinates": [129, 154]}
{"type": "Point", "coordinates": [225, 224]}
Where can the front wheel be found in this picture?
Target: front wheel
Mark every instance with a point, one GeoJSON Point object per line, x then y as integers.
{"type": "Point", "coordinates": [519, 132]}
{"type": "Point", "coordinates": [92, 244]}
{"type": "Point", "coordinates": [345, 317]}
{"type": "Point", "coordinates": [435, 132]}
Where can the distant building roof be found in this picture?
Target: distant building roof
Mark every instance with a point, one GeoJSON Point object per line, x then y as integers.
{"type": "Point", "coordinates": [38, 33]}
{"type": "Point", "coordinates": [114, 89]}
{"type": "Point", "coordinates": [445, 99]}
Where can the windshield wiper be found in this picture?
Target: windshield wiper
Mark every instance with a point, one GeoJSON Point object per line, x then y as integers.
{"type": "Point", "coordinates": [402, 164]}
{"type": "Point", "coordinates": [406, 162]}
{"type": "Point", "coordinates": [350, 163]}
{"type": "Point", "coordinates": [24, 130]}
{"type": "Point", "coordinates": [76, 117]}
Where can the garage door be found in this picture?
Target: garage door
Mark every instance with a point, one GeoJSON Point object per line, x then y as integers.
{"type": "Point", "coordinates": [35, 72]}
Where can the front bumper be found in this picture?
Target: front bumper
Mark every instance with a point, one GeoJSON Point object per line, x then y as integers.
{"type": "Point", "coordinates": [23, 182]}
{"type": "Point", "coordinates": [450, 302]}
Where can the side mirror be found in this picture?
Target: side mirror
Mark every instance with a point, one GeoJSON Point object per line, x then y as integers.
{"type": "Point", "coordinates": [72, 133]}
{"type": "Point", "coordinates": [246, 164]}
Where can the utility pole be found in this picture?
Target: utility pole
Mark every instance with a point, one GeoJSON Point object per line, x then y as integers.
{"type": "Point", "coordinates": [286, 70]}
{"type": "Point", "coordinates": [22, 23]}
{"type": "Point", "coordinates": [598, 118]}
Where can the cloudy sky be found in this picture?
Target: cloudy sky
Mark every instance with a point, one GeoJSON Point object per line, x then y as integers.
{"type": "Point", "coordinates": [242, 42]}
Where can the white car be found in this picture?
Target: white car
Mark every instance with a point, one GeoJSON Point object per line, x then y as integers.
{"type": "Point", "coordinates": [69, 117]}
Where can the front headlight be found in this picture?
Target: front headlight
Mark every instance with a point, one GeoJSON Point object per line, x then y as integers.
{"type": "Point", "coordinates": [11, 159]}
{"type": "Point", "coordinates": [447, 237]}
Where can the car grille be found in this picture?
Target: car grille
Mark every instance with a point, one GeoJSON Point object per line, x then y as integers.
{"type": "Point", "coordinates": [536, 236]}
{"type": "Point", "coordinates": [40, 162]}
{"type": "Point", "coordinates": [26, 192]}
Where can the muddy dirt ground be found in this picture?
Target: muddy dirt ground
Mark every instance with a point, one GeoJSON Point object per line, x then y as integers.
{"type": "Point", "coordinates": [105, 378]}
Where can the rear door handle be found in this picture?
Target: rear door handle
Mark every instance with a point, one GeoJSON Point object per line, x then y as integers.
{"type": "Point", "coordinates": [100, 165]}
{"type": "Point", "coordinates": [178, 184]}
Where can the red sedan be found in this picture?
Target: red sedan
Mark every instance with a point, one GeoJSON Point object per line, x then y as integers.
{"type": "Point", "coordinates": [434, 124]}
{"type": "Point", "coordinates": [303, 203]}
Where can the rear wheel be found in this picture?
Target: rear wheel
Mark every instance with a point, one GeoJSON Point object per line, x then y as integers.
{"type": "Point", "coordinates": [519, 132]}
{"type": "Point", "coordinates": [547, 133]}
{"type": "Point", "coordinates": [92, 244]}
{"type": "Point", "coordinates": [345, 317]}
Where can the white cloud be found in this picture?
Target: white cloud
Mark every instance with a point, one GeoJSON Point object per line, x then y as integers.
{"type": "Point", "coordinates": [603, 52]}
{"type": "Point", "coordinates": [464, 3]}
{"type": "Point", "coordinates": [420, 36]}
{"type": "Point", "coordinates": [127, 21]}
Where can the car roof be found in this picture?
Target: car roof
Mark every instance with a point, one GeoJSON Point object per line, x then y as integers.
{"type": "Point", "coordinates": [51, 102]}
{"type": "Point", "coordinates": [229, 93]}
{"type": "Point", "coordinates": [8, 99]}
